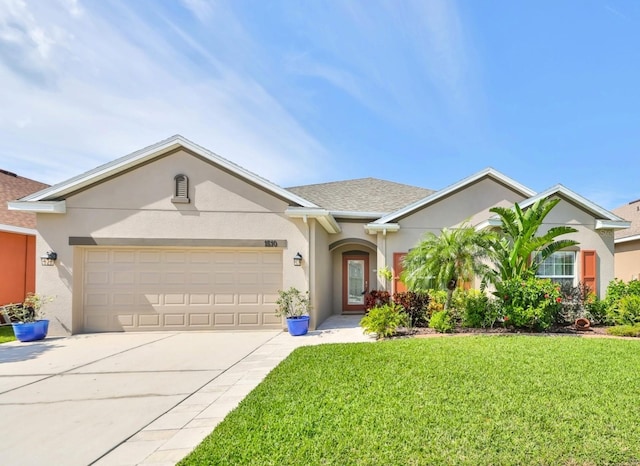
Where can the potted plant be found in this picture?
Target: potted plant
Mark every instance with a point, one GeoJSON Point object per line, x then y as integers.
{"type": "Point", "coordinates": [294, 305]}
{"type": "Point", "coordinates": [26, 318]}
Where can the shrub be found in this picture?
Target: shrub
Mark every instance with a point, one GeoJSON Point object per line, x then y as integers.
{"type": "Point", "coordinates": [574, 301]}
{"type": "Point", "coordinates": [384, 320]}
{"type": "Point", "coordinates": [532, 304]}
{"type": "Point", "coordinates": [627, 310]}
{"type": "Point", "coordinates": [415, 304]}
{"type": "Point", "coordinates": [479, 310]}
{"type": "Point", "coordinates": [376, 298]}
{"type": "Point", "coordinates": [595, 309]}
{"type": "Point", "coordinates": [625, 330]}
{"type": "Point", "coordinates": [441, 322]}
{"type": "Point", "coordinates": [616, 291]}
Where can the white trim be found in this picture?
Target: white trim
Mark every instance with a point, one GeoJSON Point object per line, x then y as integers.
{"type": "Point", "coordinates": [489, 223]}
{"type": "Point", "coordinates": [611, 225]}
{"type": "Point", "coordinates": [323, 217]}
{"type": "Point", "coordinates": [581, 201]}
{"type": "Point", "coordinates": [356, 215]}
{"type": "Point", "coordinates": [43, 207]}
{"type": "Point", "coordinates": [149, 153]}
{"type": "Point", "coordinates": [18, 230]}
{"type": "Point", "coordinates": [626, 239]}
{"type": "Point", "coordinates": [490, 172]}
{"type": "Point", "coordinates": [375, 228]}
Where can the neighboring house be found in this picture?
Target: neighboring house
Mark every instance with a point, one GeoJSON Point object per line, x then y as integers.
{"type": "Point", "coordinates": [175, 237]}
{"type": "Point", "coordinates": [627, 243]}
{"type": "Point", "coordinates": [17, 239]}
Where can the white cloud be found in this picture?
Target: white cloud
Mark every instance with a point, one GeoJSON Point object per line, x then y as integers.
{"type": "Point", "coordinates": [121, 83]}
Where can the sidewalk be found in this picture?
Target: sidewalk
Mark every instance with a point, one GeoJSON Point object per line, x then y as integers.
{"type": "Point", "coordinates": [173, 435]}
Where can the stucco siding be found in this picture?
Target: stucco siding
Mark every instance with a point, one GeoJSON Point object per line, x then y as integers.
{"type": "Point", "coordinates": [321, 290]}
{"type": "Point", "coordinates": [138, 205]}
{"type": "Point", "coordinates": [627, 260]}
{"type": "Point", "coordinates": [566, 213]}
{"type": "Point", "coordinates": [472, 204]}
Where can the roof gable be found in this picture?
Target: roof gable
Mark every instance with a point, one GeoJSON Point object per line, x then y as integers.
{"type": "Point", "coordinates": [150, 153]}
{"type": "Point", "coordinates": [458, 186]}
{"type": "Point", "coordinates": [561, 191]}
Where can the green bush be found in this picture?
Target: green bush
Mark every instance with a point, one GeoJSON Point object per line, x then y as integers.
{"type": "Point", "coordinates": [531, 304]}
{"type": "Point", "coordinates": [441, 322]}
{"type": "Point", "coordinates": [616, 291]}
{"type": "Point", "coordinates": [384, 320]}
{"type": "Point", "coordinates": [627, 311]}
{"type": "Point", "coordinates": [479, 310]}
{"type": "Point", "coordinates": [625, 330]}
{"type": "Point", "coordinates": [595, 309]}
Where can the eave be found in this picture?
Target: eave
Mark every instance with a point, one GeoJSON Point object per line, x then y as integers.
{"type": "Point", "coordinates": [39, 207]}
{"type": "Point", "coordinates": [375, 228]}
{"type": "Point", "coordinates": [611, 224]}
{"type": "Point", "coordinates": [323, 217]}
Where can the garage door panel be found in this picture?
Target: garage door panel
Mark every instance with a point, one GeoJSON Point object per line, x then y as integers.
{"type": "Point", "coordinates": [154, 289]}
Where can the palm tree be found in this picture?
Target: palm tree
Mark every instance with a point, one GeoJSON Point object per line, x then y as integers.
{"type": "Point", "coordinates": [519, 252]}
{"type": "Point", "coordinates": [442, 261]}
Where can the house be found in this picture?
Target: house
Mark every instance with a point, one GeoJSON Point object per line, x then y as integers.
{"type": "Point", "coordinates": [17, 239]}
{"type": "Point", "coordinates": [627, 243]}
{"type": "Point", "coordinates": [176, 237]}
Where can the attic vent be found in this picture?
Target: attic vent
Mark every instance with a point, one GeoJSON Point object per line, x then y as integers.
{"type": "Point", "coordinates": [181, 193]}
{"type": "Point", "coordinates": [6, 172]}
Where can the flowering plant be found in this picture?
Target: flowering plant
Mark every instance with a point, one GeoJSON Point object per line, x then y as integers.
{"type": "Point", "coordinates": [532, 303]}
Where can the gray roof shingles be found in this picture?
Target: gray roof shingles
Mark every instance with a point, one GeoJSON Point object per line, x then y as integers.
{"type": "Point", "coordinates": [361, 195]}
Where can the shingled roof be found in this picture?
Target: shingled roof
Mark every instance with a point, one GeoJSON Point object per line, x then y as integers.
{"type": "Point", "coordinates": [631, 213]}
{"type": "Point", "coordinates": [14, 187]}
{"type": "Point", "coordinates": [361, 195]}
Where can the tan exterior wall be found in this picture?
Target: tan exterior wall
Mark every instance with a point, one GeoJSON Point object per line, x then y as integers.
{"type": "Point", "coordinates": [472, 203]}
{"type": "Point", "coordinates": [321, 277]}
{"type": "Point", "coordinates": [138, 204]}
{"type": "Point", "coordinates": [566, 213]}
{"type": "Point", "coordinates": [627, 260]}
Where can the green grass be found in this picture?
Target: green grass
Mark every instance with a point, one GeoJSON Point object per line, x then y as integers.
{"type": "Point", "coordinates": [6, 334]}
{"type": "Point", "coordinates": [486, 400]}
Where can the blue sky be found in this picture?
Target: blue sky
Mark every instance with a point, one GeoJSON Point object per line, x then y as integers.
{"type": "Point", "coordinates": [420, 92]}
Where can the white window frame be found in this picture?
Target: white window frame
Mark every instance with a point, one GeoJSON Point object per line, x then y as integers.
{"type": "Point", "coordinates": [560, 278]}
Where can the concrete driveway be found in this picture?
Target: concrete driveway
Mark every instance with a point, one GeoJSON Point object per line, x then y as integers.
{"type": "Point", "coordinates": [133, 398]}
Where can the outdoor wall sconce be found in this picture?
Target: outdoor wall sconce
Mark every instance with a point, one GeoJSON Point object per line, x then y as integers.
{"type": "Point", "coordinates": [297, 260]}
{"type": "Point", "coordinates": [49, 258]}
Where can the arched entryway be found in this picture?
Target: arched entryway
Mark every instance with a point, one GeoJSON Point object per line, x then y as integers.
{"type": "Point", "coordinates": [354, 274]}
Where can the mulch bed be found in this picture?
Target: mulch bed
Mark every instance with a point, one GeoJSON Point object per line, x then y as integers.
{"type": "Point", "coordinates": [421, 332]}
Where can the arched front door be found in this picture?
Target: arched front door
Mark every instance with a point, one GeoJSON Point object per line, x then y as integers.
{"type": "Point", "coordinates": [355, 280]}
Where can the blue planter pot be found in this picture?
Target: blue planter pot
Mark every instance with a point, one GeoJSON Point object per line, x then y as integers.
{"type": "Point", "coordinates": [31, 331]}
{"type": "Point", "coordinates": [298, 325]}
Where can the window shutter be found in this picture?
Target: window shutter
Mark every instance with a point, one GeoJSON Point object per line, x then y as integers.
{"type": "Point", "coordinates": [398, 285]}
{"type": "Point", "coordinates": [588, 274]}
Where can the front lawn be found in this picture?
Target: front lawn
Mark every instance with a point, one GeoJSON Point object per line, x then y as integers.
{"type": "Point", "coordinates": [460, 400]}
{"type": "Point", "coordinates": [6, 334]}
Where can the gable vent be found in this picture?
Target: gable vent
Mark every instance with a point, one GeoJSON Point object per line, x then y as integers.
{"type": "Point", "coordinates": [181, 192]}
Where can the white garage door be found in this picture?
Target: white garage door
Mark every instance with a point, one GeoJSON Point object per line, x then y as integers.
{"type": "Point", "coordinates": [180, 289]}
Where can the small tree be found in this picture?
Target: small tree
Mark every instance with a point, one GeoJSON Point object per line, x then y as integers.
{"type": "Point", "coordinates": [442, 261]}
{"type": "Point", "coordinates": [519, 252]}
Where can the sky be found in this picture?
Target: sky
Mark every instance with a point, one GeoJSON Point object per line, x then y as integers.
{"type": "Point", "coordinates": [422, 92]}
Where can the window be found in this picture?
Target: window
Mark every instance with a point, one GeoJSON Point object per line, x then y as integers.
{"type": "Point", "coordinates": [181, 192]}
{"type": "Point", "coordinates": [560, 267]}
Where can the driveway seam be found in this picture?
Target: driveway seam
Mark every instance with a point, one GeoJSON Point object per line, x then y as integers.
{"type": "Point", "coordinates": [49, 376]}
{"type": "Point", "coordinates": [186, 398]}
